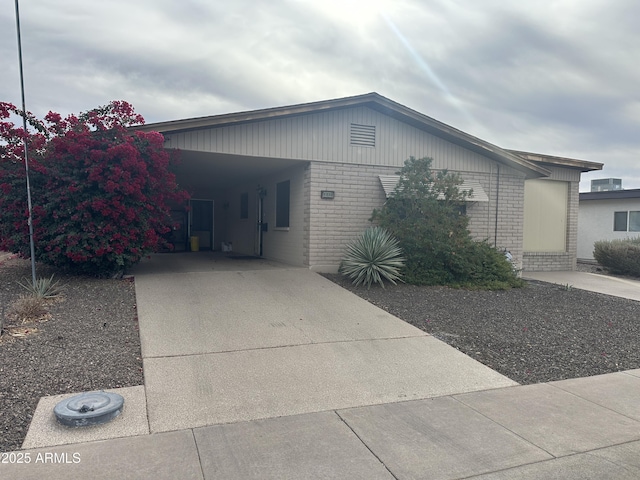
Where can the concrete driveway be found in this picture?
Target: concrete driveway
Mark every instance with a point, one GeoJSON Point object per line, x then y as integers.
{"type": "Point", "coordinates": [228, 340]}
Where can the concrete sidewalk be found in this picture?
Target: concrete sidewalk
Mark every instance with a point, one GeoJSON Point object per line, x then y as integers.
{"type": "Point", "coordinates": [257, 370]}
{"type": "Point", "coordinates": [609, 285]}
{"type": "Point", "coordinates": [586, 428]}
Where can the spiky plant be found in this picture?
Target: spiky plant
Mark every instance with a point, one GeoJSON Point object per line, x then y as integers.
{"type": "Point", "coordinates": [372, 258]}
{"type": "Point", "coordinates": [43, 287]}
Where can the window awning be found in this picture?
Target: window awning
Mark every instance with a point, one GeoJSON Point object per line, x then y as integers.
{"type": "Point", "coordinates": [478, 194]}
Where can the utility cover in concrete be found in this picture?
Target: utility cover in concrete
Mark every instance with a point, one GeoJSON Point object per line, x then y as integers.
{"type": "Point", "coordinates": [86, 409]}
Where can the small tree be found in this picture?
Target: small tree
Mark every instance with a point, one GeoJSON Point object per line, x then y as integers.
{"type": "Point", "coordinates": [426, 214]}
{"type": "Point", "coordinates": [101, 193]}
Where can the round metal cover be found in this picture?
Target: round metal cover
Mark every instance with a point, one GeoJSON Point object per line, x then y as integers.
{"type": "Point", "coordinates": [92, 408]}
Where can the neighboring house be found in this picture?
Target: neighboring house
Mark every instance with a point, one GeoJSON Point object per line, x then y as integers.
{"type": "Point", "coordinates": [607, 215]}
{"type": "Point", "coordinates": [295, 184]}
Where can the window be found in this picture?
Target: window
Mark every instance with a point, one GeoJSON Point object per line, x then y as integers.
{"type": "Point", "coordinates": [634, 221]}
{"type": "Point", "coordinates": [626, 221]}
{"type": "Point", "coordinates": [282, 204]}
{"type": "Point", "coordinates": [619, 221]}
{"type": "Point", "coordinates": [244, 206]}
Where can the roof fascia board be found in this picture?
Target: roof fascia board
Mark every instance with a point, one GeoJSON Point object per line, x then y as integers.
{"type": "Point", "coordinates": [174, 126]}
{"type": "Point", "coordinates": [611, 195]}
{"type": "Point", "coordinates": [551, 160]}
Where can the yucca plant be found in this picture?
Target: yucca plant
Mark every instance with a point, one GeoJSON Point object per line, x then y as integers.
{"type": "Point", "coordinates": [43, 287]}
{"type": "Point", "coordinates": [373, 257]}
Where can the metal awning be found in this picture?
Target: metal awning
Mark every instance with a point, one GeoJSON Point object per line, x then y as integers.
{"type": "Point", "coordinates": [478, 194]}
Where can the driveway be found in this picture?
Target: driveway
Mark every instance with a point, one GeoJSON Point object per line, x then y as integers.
{"type": "Point", "coordinates": [227, 340]}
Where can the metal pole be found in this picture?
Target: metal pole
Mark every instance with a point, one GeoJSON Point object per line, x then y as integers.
{"type": "Point", "coordinates": [26, 153]}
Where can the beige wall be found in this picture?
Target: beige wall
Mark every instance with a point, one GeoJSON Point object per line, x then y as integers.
{"type": "Point", "coordinates": [563, 259]}
{"type": "Point", "coordinates": [284, 245]}
{"type": "Point", "coordinates": [325, 136]}
{"type": "Point", "coordinates": [334, 223]}
{"type": "Point", "coordinates": [545, 216]}
{"type": "Point", "coordinates": [239, 232]}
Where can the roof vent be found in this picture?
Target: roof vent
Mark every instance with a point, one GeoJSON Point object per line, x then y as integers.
{"type": "Point", "coordinates": [363, 135]}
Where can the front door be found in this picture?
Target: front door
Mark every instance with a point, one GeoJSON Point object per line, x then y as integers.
{"type": "Point", "coordinates": [201, 222]}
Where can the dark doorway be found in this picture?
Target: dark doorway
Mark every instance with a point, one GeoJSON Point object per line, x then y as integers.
{"type": "Point", "coordinates": [201, 222]}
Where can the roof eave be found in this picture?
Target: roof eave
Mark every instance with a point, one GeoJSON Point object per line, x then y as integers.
{"type": "Point", "coordinates": [372, 100]}
{"type": "Point", "coordinates": [174, 126]}
{"type": "Point", "coordinates": [610, 195]}
{"type": "Point", "coordinates": [552, 160]}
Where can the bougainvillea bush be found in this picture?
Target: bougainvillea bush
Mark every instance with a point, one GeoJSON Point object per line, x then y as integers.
{"type": "Point", "coordinates": [101, 194]}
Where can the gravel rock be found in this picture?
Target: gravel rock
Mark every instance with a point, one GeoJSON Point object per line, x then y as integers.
{"type": "Point", "coordinates": [539, 333]}
{"type": "Point", "coordinates": [91, 342]}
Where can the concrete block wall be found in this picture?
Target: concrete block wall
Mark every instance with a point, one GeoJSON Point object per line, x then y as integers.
{"type": "Point", "coordinates": [332, 224]}
{"type": "Point", "coordinates": [509, 197]}
{"type": "Point", "coordinates": [505, 191]}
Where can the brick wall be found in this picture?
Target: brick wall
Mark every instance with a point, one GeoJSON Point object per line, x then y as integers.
{"type": "Point", "coordinates": [332, 224]}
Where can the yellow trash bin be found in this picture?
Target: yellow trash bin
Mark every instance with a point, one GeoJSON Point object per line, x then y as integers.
{"type": "Point", "coordinates": [195, 244]}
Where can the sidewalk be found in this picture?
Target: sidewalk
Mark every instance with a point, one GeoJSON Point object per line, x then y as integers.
{"type": "Point", "coordinates": [609, 285]}
{"type": "Point", "coordinates": [586, 428]}
{"type": "Point", "coordinates": [275, 372]}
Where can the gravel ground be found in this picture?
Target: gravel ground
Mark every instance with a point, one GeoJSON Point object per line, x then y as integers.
{"type": "Point", "coordinates": [539, 333]}
{"type": "Point", "coordinates": [89, 342]}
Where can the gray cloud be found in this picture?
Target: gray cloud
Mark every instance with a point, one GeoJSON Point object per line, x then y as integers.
{"type": "Point", "coordinates": [558, 78]}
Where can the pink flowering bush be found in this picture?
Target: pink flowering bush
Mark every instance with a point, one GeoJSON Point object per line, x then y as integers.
{"type": "Point", "coordinates": [101, 194]}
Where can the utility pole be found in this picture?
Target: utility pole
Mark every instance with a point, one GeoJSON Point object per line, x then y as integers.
{"type": "Point", "coordinates": [26, 150]}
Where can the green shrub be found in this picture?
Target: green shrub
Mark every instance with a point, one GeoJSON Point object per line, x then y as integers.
{"type": "Point", "coordinates": [619, 256]}
{"type": "Point", "coordinates": [43, 288]}
{"type": "Point", "coordinates": [483, 266]}
{"type": "Point", "coordinates": [426, 214]}
{"type": "Point", "coordinates": [373, 257]}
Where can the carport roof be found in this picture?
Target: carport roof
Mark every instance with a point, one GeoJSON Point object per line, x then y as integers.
{"type": "Point", "coordinates": [527, 163]}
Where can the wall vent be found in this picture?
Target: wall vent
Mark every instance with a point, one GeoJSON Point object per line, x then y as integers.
{"type": "Point", "coordinates": [363, 135]}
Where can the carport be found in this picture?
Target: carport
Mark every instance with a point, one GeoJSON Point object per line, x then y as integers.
{"type": "Point", "coordinates": [233, 199]}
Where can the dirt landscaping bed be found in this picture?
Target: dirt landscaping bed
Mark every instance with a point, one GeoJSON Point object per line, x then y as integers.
{"type": "Point", "coordinates": [88, 342]}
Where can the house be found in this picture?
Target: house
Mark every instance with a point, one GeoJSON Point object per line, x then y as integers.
{"type": "Point", "coordinates": [295, 184]}
{"type": "Point", "coordinates": [607, 215]}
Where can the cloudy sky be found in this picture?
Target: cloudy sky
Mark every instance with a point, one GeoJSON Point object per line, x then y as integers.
{"type": "Point", "coordinates": [560, 77]}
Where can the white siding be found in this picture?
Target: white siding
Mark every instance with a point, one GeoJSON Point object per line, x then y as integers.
{"type": "Point", "coordinates": [325, 136]}
{"type": "Point", "coordinates": [595, 222]}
